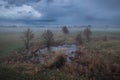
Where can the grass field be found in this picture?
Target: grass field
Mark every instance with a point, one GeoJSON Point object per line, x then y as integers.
{"type": "Point", "coordinates": [98, 57]}
{"type": "Point", "coordinates": [10, 38]}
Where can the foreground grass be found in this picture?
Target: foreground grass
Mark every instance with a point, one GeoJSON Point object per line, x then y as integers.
{"type": "Point", "coordinates": [10, 74]}
{"type": "Point", "coordinates": [104, 65]}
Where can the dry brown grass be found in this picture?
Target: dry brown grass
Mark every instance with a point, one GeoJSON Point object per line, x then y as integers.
{"type": "Point", "coordinates": [93, 67]}
{"type": "Point", "coordinates": [55, 60]}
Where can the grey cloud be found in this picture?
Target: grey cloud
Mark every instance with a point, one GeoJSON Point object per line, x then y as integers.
{"type": "Point", "coordinates": [72, 11]}
{"type": "Point", "coordinates": [21, 2]}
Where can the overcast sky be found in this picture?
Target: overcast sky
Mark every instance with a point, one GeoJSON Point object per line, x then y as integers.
{"type": "Point", "coordinates": [60, 12]}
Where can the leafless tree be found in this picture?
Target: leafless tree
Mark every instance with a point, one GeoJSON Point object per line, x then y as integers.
{"type": "Point", "coordinates": [79, 38]}
{"type": "Point", "coordinates": [65, 30]}
{"type": "Point", "coordinates": [88, 33]}
{"type": "Point", "coordinates": [105, 38]}
{"type": "Point", "coordinates": [48, 38]}
{"type": "Point", "coordinates": [27, 37]}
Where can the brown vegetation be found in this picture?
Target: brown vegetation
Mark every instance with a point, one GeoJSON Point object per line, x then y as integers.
{"type": "Point", "coordinates": [55, 60]}
{"type": "Point", "coordinates": [48, 38]}
{"type": "Point", "coordinates": [27, 37]}
{"type": "Point", "coordinates": [65, 30]}
{"type": "Point", "coordinates": [93, 67]}
{"type": "Point", "coordinates": [87, 33]}
{"type": "Point", "coordinates": [79, 38]}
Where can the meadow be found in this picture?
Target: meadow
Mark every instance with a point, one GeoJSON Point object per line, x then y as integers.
{"type": "Point", "coordinates": [98, 59]}
{"type": "Point", "coordinates": [10, 38]}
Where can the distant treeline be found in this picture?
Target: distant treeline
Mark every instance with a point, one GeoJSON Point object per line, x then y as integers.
{"type": "Point", "coordinates": [57, 26]}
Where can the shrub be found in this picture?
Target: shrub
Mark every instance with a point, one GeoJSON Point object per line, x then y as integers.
{"type": "Point", "coordinates": [48, 39]}
{"type": "Point", "coordinates": [87, 33]}
{"type": "Point", "coordinates": [79, 38]}
{"type": "Point", "coordinates": [105, 38]}
{"type": "Point", "coordinates": [65, 30]}
{"type": "Point", "coordinates": [27, 37]}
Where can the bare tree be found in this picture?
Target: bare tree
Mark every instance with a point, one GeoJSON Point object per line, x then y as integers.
{"type": "Point", "coordinates": [79, 38]}
{"type": "Point", "coordinates": [27, 37]}
{"type": "Point", "coordinates": [88, 33]}
{"type": "Point", "coordinates": [105, 38]}
{"type": "Point", "coordinates": [65, 30]}
{"type": "Point", "coordinates": [48, 38]}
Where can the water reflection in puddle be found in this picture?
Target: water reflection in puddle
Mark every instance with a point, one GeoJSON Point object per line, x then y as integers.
{"type": "Point", "coordinates": [68, 49]}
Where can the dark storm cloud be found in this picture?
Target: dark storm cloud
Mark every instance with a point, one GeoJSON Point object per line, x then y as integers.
{"type": "Point", "coordinates": [111, 4]}
{"type": "Point", "coordinates": [21, 2]}
{"type": "Point", "coordinates": [62, 11]}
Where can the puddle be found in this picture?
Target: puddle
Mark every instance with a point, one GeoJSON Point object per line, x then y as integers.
{"type": "Point", "coordinates": [68, 49]}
